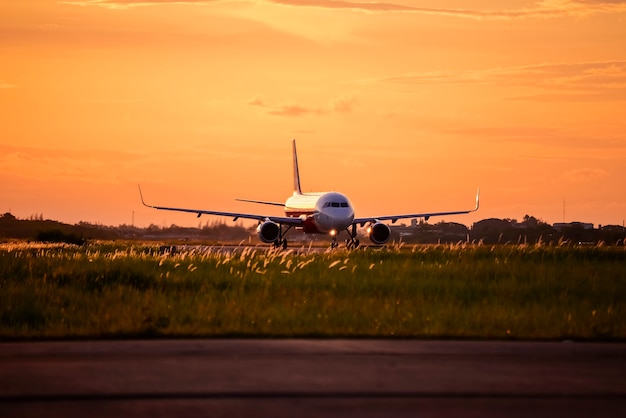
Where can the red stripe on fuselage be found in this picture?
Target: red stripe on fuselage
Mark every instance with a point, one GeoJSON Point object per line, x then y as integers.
{"type": "Point", "coordinates": [308, 225]}
{"type": "Point", "coordinates": [296, 213]}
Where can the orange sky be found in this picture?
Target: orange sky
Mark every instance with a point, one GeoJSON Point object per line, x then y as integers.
{"type": "Point", "coordinates": [403, 105]}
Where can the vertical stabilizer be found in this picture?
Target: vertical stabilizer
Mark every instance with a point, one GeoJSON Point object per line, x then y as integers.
{"type": "Point", "coordinates": [296, 171]}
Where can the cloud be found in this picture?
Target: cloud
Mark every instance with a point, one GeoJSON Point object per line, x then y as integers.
{"type": "Point", "coordinates": [127, 4]}
{"type": "Point", "coordinates": [338, 105]}
{"type": "Point", "coordinates": [600, 2]}
{"type": "Point", "coordinates": [338, 4]}
{"type": "Point", "coordinates": [5, 85]}
{"type": "Point", "coordinates": [544, 9]}
{"type": "Point", "coordinates": [545, 137]}
{"type": "Point", "coordinates": [343, 104]}
{"type": "Point", "coordinates": [582, 81]}
{"type": "Point", "coordinates": [585, 175]}
{"type": "Point", "coordinates": [293, 111]}
{"type": "Point", "coordinates": [56, 163]}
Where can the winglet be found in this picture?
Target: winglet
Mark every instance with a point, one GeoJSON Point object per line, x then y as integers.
{"type": "Point", "coordinates": [141, 196]}
{"type": "Point", "coordinates": [296, 171]}
{"type": "Point", "coordinates": [477, 199]}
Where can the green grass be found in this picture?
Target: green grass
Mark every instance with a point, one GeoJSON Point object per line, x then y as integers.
{"type": "Point", "coordinates": [475, 291]}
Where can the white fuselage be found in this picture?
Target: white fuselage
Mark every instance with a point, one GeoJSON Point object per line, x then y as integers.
{"type": "Point", "coordinates": [321, 212]}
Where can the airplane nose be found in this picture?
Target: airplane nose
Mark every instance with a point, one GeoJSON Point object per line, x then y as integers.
{"type": "Point", "coordinates": [340, 221]}
{"type": "Point", "coordinates": [330, 221]}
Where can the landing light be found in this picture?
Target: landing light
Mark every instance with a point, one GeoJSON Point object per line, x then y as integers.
{"type": "Point", "coordinates": [333, 232]}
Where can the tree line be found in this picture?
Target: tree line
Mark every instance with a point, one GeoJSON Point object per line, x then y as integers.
{"type": "Point", "coordinates": [489, 231]}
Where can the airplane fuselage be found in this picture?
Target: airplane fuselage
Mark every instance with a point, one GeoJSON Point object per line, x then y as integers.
{"type": "Point", "coordinates": [321, 212]}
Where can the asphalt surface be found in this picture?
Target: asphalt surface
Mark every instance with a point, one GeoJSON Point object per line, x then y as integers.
{"type": "Point", "coordinates": [312, 378]}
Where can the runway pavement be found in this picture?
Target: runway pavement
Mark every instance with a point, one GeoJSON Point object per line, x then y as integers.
{"type": "Point", "coordinates": [312, 378]}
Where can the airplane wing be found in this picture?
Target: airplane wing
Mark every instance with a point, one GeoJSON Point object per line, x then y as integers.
{"type": "Point", "coordinates": [285, 220]}
{"type": "Point", "coordinates": [262, 202]}
{"type": "Point", "coordinates": [394, 218]}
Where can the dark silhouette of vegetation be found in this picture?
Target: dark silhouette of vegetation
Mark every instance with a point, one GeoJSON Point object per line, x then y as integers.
{"type": "Point", "coordinates": [30, 229]}
{"type": "Point", "coordinates": [502, 231]}
{"type": "Point", "coordinates": [509, 231]}
{"type": "Point", "coordinates": [530, 230]}
{"type": "Point", "coordinates": [37, 229]}
{"type": "Point", "coordinates": [56, 235]}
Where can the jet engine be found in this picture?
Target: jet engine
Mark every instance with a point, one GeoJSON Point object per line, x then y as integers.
{"type": "Point", "coordinates": [379, 233]}
{"type": "Point", "coordinates": [268, 231]}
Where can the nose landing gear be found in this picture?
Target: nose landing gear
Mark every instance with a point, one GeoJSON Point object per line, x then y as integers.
{"type": "Point", "coordinates": [351, 243]}
{"type": "Point", "coordinates": [333, 243]}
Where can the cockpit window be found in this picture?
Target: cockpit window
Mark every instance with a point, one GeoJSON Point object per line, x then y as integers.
{"type": "Point", "coordinates": [336, 205]}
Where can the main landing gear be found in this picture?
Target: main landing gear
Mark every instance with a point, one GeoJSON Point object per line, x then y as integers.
{"type": "Point", "coordinates": [280, 241]}
{"type": "Point", "coordinates": [352, 242]}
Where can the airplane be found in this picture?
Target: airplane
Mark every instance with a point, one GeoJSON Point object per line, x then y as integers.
{"type": "Point", "coordinates": [315, 213]}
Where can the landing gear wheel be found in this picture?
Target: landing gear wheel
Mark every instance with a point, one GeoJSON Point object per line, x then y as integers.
{"type": "Point", "coordinates": [281, 243]}
{"type": "Point", "coordinates": [352, 244]}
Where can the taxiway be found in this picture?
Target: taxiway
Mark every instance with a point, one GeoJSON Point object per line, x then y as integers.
{"type": "Point", "coordinates": [311, 378]}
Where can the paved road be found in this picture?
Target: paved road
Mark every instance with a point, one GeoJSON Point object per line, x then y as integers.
{"type": "Point", "coordinates": [311, 378]}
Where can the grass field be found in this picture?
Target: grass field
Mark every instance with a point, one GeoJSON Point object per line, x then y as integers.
{"type": "Point", "coordinates": [112, 290]}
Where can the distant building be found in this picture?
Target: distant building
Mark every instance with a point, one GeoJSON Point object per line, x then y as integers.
{"type": "Point", "coordinates": [572, 225]}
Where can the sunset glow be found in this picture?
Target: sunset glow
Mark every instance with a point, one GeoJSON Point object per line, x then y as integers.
{"type": "Point", "coordinates": [403, 105]}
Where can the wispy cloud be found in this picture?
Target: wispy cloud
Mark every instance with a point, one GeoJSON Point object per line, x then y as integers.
{"type": "Point", "coordinates": [127, 4]}
{"type": "Point", "coordinates": [337, 105]}
{"type": "Point", "coordinates": [65, 164]}
{"type": "Point", "coordinates": [583, 81]}
{"type": "Point", "coordinates": [289, 110]}
{"type": "Point", "coordinates": [5, 85]}
{"type": "Point", "coordinates": [551, 137]}
{"type": "Point", "coordinates": [543, 9]}
{"type": "Point", "coordinates": [96, 165]}
{"type": "Point", "coordinates": [343, 104]}
{"type": "Point", "coordinates": [584, 175]}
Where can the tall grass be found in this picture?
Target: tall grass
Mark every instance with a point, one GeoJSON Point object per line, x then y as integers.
{"type": "Point", "coordinates": [451, 291]}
